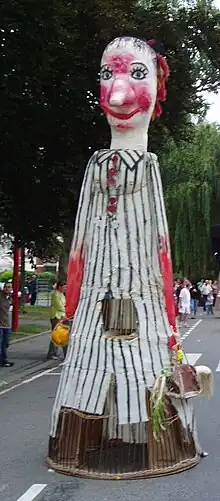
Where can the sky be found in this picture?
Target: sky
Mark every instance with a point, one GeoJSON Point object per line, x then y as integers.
{"type": "Point", "coordinates": [213, 114]}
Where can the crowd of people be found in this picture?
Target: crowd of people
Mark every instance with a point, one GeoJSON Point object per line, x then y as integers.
{"type": "Point", "coordinates": [6, 301]}
{"type": "Point", "coordinates": [189, 295]}
{"type": "Point", "coordinates": [57, 312]}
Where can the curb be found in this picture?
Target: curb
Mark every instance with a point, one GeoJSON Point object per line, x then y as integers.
{"type": "Point", "coordinates": [26, 338]}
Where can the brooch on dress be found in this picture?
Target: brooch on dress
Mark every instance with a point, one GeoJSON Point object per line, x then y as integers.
{"type": "Point", "coordinates": [112, 188]}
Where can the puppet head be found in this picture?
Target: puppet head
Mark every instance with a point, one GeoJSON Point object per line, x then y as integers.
{"type": "Point", "coordinates": [133, 79]}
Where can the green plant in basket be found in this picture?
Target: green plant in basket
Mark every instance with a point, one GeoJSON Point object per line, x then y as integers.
{"type": "Point", "coordinates": [157, 402]}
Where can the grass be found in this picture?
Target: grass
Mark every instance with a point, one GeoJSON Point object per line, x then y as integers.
{"type": "Point", "coordinates": [27, 330]}
{"type": "Point", "coordinates": [36, 313]}
{"type": "Point", "coordinates": [36, 309]}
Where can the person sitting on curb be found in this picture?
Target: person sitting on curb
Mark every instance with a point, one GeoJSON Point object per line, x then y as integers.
{"type": "Point", "coordinates": [5, 329]}
{"type": "Point", "coordinates": [57, 311]}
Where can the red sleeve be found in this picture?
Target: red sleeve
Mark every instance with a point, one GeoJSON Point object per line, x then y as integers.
{"type": "Point", "coordinates": [171, 342]}
{"type": "Point", "coordinates": [74, 281]}
{"type": "Point", "coordinates": [167, 275]}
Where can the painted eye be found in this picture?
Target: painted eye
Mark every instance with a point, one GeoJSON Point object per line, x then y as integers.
{"type": "Point", "coordinates": [106, 73]}
{"type": "Point", "coordinates": [139, 72]}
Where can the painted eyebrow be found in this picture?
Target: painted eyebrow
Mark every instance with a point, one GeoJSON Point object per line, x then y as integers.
{"type": "Point", "coordinates": [139, 62]}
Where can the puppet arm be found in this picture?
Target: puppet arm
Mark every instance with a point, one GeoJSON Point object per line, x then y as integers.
{"type": "Point", "coordinates": [78, 248]}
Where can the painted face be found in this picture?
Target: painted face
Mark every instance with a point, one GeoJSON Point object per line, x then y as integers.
{"type": "Point", "coordinates": [128, 84]}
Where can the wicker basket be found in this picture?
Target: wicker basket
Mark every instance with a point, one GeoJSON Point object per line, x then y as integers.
{"type": "Point", "coordinates": [83, 447]}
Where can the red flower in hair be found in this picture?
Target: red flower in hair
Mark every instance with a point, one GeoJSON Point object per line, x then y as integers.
{"type": "Point", "coordinates": [162, 77]}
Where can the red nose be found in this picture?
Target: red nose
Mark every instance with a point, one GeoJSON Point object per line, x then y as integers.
{"type": "Point", "coordinates": [121, 93]}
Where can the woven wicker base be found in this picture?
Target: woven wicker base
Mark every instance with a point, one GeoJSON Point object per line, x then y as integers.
{"type": "Point", "coordinates": [160, 472]}
{"type": "Point", "coordinates": [92, 446]}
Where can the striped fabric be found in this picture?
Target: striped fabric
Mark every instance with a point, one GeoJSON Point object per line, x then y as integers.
{"type": "Point", "coordinates": [122, 256]}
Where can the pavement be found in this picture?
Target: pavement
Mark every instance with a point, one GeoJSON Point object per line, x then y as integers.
{"type": "Point", "coordinates": [45, 323]}
{"type": "Point", "coordinates": [29, 357]}
{"type": "Point", "coordinates": [25, 410]}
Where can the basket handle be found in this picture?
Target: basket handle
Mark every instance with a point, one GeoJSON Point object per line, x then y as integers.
{"type": "Point", "coordinates": [65, 319]}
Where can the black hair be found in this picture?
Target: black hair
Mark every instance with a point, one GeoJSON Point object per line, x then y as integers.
{"type": "Point", "coordinates": [60, 283]}
{"type": "Point", "coordinates": [158, 47]}
{"type": "Point", "coordinates": [140, 43]}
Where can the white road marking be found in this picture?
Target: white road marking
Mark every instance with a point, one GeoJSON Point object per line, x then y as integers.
{"type": "Point", "coordinates": [53, 374]}
{"type": "Point", "coordinates": [30, 380]}
{"type": "Point", "coordinates": [32, 492]}
{"type": "Point", "coordinates": [218, 367]}
{"type": "Point", "coordinates": [188, 332]}
{"type": "Point", "coordinates": [191, 358]}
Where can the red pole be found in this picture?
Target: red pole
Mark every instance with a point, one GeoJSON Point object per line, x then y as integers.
{"type": "Point", "coordinates": [15, 311]}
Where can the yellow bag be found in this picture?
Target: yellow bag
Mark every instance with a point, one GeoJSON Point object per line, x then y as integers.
{"type": "Point", "coordinates": [60, 335]}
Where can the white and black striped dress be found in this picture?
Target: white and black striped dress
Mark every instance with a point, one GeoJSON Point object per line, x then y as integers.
{"type": "Point", "coordinates": [122, 253]}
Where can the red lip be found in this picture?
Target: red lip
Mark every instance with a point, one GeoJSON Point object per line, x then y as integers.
{"type": "Point", "coordinates": [120, 116]}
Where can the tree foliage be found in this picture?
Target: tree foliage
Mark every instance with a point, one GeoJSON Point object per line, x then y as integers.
{"type": "Point", "coordinates": [49, 60]}
{"type": "Point", "coordinates": [50, 122]}
{"type": "Point", "coordinates": [191, 176]}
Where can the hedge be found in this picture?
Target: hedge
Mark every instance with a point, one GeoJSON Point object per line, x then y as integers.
{"type": "Point", "coordinates": [47, 275]}
{"type": "Point", "coordinates": [6, 275]}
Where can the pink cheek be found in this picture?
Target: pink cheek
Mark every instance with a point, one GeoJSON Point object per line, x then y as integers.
{"type": "Point", "coordinates": [144, 98]}
{"type": "Point", "coordinates": [104, 92]}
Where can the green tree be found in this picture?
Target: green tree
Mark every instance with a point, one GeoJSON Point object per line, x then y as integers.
{"type": "Point", "coordinates": [50, 121]}
{"type": "Point", "coordinates": [49, 63]}
{"type": "Point", "coordinates": [191, 176]}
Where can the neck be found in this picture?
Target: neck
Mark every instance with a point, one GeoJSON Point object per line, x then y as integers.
{"type": "Point", "coordinates": [129, 139]}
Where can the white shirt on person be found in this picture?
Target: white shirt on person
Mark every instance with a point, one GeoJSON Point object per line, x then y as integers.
{"type": "Point", "coordinates": [210, 299]}
{"type": "Point", "coordinates": [185, 296]}
{"type": "Point", "coordinates": [206, 289]}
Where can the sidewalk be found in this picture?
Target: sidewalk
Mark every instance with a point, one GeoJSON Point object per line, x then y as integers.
{"type": "Point", "coordinates": [29, 357]}
{"type": "Point", "coordinates": [35, 321]}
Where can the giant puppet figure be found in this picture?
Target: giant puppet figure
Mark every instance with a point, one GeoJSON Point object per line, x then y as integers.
{"type": "Point", "coordinates": [120, 296]}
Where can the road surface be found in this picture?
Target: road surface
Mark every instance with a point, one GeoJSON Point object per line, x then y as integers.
{"type": "Point", "coordinates": [25, 410]}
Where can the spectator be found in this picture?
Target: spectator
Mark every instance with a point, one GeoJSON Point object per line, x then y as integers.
{"type": "Point", "coordinates": [214, 291]}
{"type": "Point", "coordinates": [195, 295]}
{"type": "Point", "coordinates": [5, 330]}
{"type": "Point", "coordinates": [209, 304]}
{"type": "Point", "coordinates": [178, 290]}
{"type": "Point", "coordinates": [206, 289]}
{"type": "Point", "coordinates": [57, 311]}
{"type": "Point", "coordinates": [176, 284]}
{"type": "Point", "coordinates": [184, 304]}
{"type": "Point", "coordinates": [33, 289]}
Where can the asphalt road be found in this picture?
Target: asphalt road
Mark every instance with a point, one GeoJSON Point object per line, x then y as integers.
{"type": "Point", "coordinates": [25, 412]}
